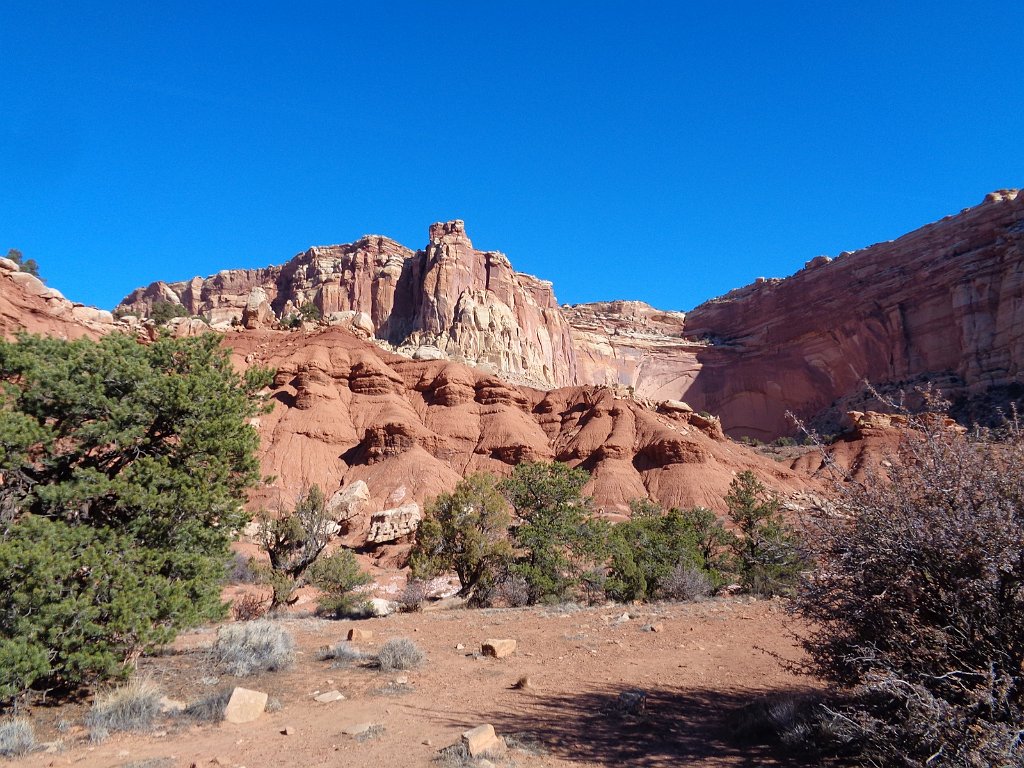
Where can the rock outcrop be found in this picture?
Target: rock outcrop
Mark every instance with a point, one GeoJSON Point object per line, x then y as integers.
{"type": "Point", "coordinates": [28, 304]}
{"type": "Point", "coordinates": [941, 304]}
{"type": "Point", "coordinates": [347, 413]}
{"type": "Point", "coordinates": [447, 301]}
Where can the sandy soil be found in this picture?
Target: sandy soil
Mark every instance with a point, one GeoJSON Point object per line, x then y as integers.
{"type": "Point", "coordinates": [707, 661]}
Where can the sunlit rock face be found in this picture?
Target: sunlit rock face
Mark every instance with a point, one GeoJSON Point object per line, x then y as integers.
{"type": "Point", "coordinates": [448, 300]}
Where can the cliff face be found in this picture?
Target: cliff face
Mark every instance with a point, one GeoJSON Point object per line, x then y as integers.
{"type": "Point", "coordinates": [944, 303]}
{"type": "Point", "coordinates": [941, 304]}
{"type": "Point", "coordinates": [448, 300]}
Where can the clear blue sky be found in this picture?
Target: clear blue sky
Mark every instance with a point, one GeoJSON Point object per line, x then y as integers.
{"type": "Point", "coordinates": [658, 151]}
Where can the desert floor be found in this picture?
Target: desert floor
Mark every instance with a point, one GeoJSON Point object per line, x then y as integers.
{"type": "Point", "coordinates": [707, 661]}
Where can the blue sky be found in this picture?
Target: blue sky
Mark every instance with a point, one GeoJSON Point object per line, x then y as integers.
{"type": "Point", "coordinates": [658, 151]}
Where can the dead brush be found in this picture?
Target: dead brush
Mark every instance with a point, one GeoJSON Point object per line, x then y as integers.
{"type": "Point", "coordinates": [256, 646]}
{"type": "Point", "coordinates": [129, 707]}
{"type": "Point", "coordinates": [17, 737]}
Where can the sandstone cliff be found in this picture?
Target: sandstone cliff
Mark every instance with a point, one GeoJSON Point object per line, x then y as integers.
{"type": "Point", "coordinates": [944, 303]}
{"type": "Point", "coordinates": [28, 304]}
{"type": "Point", "coordinates": [446, 301]}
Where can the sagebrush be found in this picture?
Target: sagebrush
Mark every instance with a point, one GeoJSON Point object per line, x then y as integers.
{"type": "Point", "coordinates": [251, 647]}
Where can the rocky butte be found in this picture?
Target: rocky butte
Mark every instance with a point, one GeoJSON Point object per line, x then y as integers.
{"type": "Point", "coordinates": [447, 301]}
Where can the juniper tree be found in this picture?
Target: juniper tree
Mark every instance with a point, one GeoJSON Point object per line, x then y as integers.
{"type": "Point", "coordinates": [124, 468]}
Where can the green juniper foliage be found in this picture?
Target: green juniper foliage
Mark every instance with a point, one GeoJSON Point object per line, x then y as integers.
{"type": "Point", "coordinates": [465, 531]}
{"type": "Point", "coordinates": [556, 537]}
{"type": "Point", "coordinates": [124, 468]}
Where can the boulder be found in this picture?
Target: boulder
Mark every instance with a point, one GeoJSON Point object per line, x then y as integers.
{"type": "Point", "coordinates": [356, 635]}
{"type": "Point", "coordinates": [393, 524]}
{"type": "Point", "coordinates": [482, 740]}
{"type": "Point", "coordinates": [349, 502]}
{"type": "Point", "coordinates": [329, 696]}
{"type": "Point", "coordinates": [245, 705]}
{"type": "Point", "coordinates": [498, 648]}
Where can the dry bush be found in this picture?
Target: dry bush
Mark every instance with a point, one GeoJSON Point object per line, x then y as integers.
{"type": "Point", "coordinates": [415, 593]}
{"type": "Point", "coordinates": [917, 606]}
{"type": "Point", "coordinates": [256, 646]}
{"type": "Point", "coordinates": [343, 654]}
{"type": "Point", "coordinates": [209, 709]}
{"type": "Point", "coordinates": [17, 737]}
{"type": "Point", "coordinates": [129, 707]}
{"type": "Point", "coordinates": [687, 582]}
{"type": "Point", "coordinates": [242, 570]}
{"type": "Point", "coordinates": [398, 654]}
{"type": "Point", "coordinates": [250, 607]}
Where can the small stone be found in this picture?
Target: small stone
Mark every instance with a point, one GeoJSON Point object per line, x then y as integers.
{"type": "Point", "coordinates": [427, 743]}
{"type": "Point", "coordinates": [329, 696]}
{"type": "Point", "coordinates": [498, 648]}
{"type": "Point", "coordinates": [245, 706]}
{"type": "Point", "coordinates": [401, 680]}
{"type": "Point", "coordinates": [288, 730]}
{"type": "Point", "coordinates": [460, 647]}
{"type": "Point", "coordinates": [356, 728]}
{"type": "Point", "coordinates": [360, 635]}
{"type": "Point", "coordinates": [652, 628]}
{"type": "Point", "coordinates": [481, 739]}
{"type": "Point", "coordinates": [522, 684]}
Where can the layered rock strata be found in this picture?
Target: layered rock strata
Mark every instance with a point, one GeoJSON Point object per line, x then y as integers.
{"type": "Point", "coordinates": [448, 300]}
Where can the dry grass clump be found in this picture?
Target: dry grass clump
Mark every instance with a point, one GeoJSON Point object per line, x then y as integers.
{"type": "Point", "coordinates": [129, 707]}
{"type": "Point", "coordinates": [256, 646]}
{"type": "Point", "coordinates": [343, 654]}
{"type": "Point", "coordinates": [399, 653]}
{"type": "Point", "coordinates": [17, 737]}
{"type": "Point", "coordinates": [209, 709]}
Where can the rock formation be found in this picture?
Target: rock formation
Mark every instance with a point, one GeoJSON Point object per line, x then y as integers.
{"type": "Point", "coordinates": [448, 300]}
{"type": "Point", "coordinates": [941, 304]}
{"type": "Point", "coordinates": [347, 413]}
{"type": "Point", "coordinates": [28, 304]}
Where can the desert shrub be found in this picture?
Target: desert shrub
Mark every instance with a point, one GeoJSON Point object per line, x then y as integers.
{"type": "Point", "coordinates": [24, 265]}
{"type": "Point", "coordinates": [164, 311]}
{"type": "Point", "coordinates": [784, 442]}
{"type": "Point", "coordinates": [310, 312]}
{"type": "Point", "coordinates": [687, 582]}
{"type": "Point", "coordinates": [917, 606]}
{"type": "Point", "coordinates": [295, 540]}
{"type": "Point", "coordinates": [510, 590]}
{"type": "Point", "coordinates": [17, 737]}
{"type": "Point", "coordinates": [645, 551]}
{"type": "Point", "coordinates": [397, 654]}
{"type": "Point", "coordinates": [125, 467]}
{"type": "Point", "coordinates": [209, 709]}
{"type": "Point", "coordinates": [343, 654]}
{"type": "Point", "coordinates": [415, 593]}
{"type": "Point", "coordinates": [336, 576]}
{"type": "Point", "coordinates": [555, 539]}
{"type": "Point", "coordinates": [243, 570]}
{"type": "Point", "coordinates": [250, 607]}
{"type": "Point", "coordinates": [465, 531]}
{"type": "Point", "coordinates": [129, 707]}
{"type": "Point", "coordinates": [768, 553]}
{"type": "Point", "coordinates": [256, 646]}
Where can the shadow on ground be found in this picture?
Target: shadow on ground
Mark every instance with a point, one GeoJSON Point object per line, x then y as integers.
{"type": "Point", "coordinates": [669, 728]}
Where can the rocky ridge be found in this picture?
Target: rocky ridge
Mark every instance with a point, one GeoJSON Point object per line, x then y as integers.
{"type": "Point", "coordinates": [448, 301]}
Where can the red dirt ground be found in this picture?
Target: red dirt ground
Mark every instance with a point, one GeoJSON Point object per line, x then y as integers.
{"type": "Point", "coordinates": [708, 660]}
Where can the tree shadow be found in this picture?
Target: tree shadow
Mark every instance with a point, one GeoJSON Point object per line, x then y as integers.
{"type": "Point", "coordinates": [671, 727]}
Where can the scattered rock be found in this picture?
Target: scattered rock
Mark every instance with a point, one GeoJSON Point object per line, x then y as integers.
{"type": "Point", "coordinates": [381, 607]}
{"type": "Point", "coordinates": [356, 728]}
{"type": "Point", "coordinates": [498, 648]}
{"type": "Point", "coordinates": [329, 696]}
{"type": "Point", "coordinates": [393, 524]}
{"type": "Point", "coordinates": [460, 647]}
{"type": "Point", "coordinates": [288, 730]}
{"type": "Point", "coordinates": [349, 502]}
{"type": "Point", "coordinates": [653, 628]}
{"type": "Point", "coordinates": [245, 705]}
{"type": "Point", "coordinates": [483, 740]}
{"type": "Point", "coordinates": [171, 706]}
{"type": "Point", "coordinates": [360, 635]}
